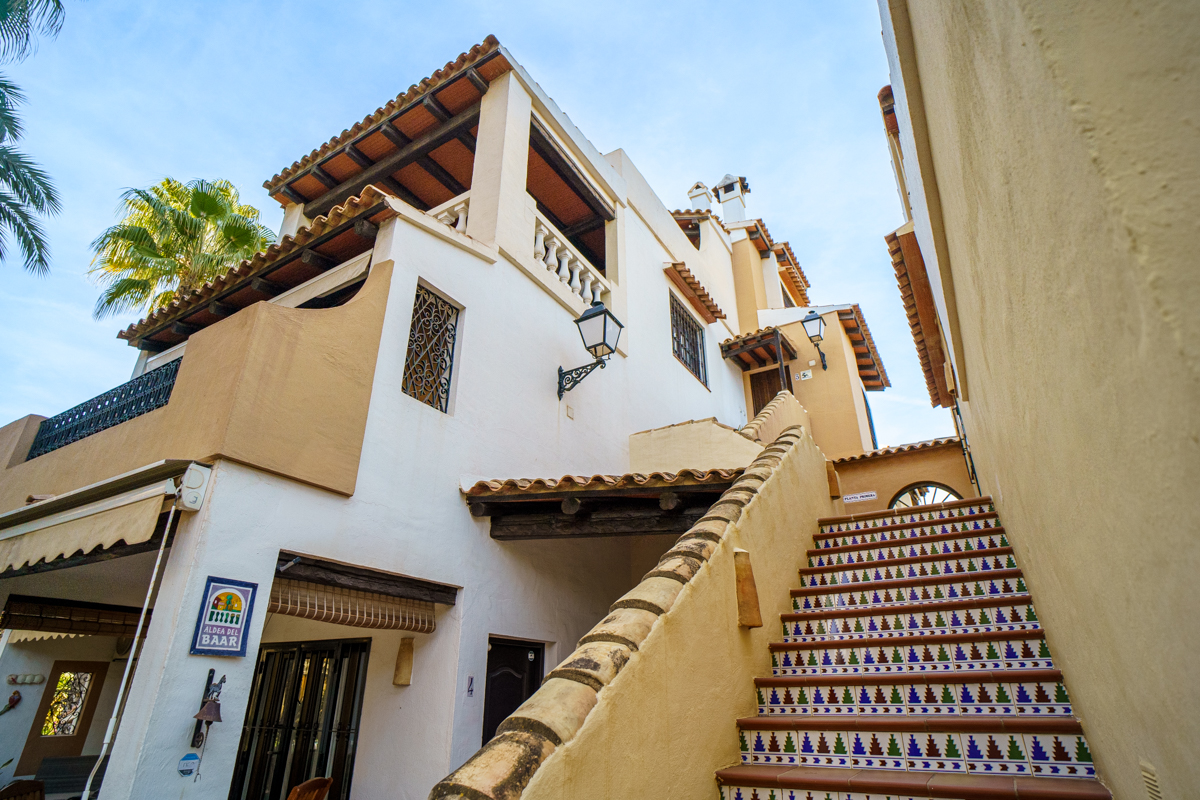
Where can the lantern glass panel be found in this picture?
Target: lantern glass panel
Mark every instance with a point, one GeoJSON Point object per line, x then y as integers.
{"type": "Point", "coordinates": [814, 327]}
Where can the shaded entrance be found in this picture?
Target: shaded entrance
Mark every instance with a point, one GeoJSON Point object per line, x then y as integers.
{"type": "Point", "coordinates": [514, 672]}
{"type": "Point", "coordinates": [302, 720]}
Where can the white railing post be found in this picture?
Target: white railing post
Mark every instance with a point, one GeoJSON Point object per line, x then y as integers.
{"type": "Point", "coordinates": [560, 257]}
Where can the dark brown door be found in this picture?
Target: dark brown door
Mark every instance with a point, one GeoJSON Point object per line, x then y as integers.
{"type": "Point", "coordinates": [64, 715]}
{"type": "Point", "coordinates": [765, 385]}
{"type": "Point", "coordinates": [302, 719]}
{"type": "Point", "coordinates": [514, 672]}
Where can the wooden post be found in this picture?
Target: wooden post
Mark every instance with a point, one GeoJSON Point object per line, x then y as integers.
{"type": "Point", "coordinates": [404, 663]}
{"type": "Point", "coordinates": [749, 615]}
{"type": "Point", "coordinates": [835, 482]}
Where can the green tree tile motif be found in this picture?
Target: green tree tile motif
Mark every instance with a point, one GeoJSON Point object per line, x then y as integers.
{"type": "Point", "coordinates": [1060, 694]}
{"type": "Point", "coordinates": [1014, 750]}
{"type": "Point", "coordinates": [742, 741]}
{"type": "Point", "coordinates": [1001, 694]}
{"type": "Point", "coordinates": [951, 748]}
{"type": "Point", "coordinates": [789, 744]}
{"type": "Point", "coordinates": [1082, 754]}
{"type": "Point", "coordinates": [893, 749]}
{"type": "Point", "coordinates": [1044, 651]}
{"type": "Point", "coordinates": [897, 700]}
{"type": "Point", "coordinates": [839, 747]}
{"type": "Point", "coordinates": [1021, 586]}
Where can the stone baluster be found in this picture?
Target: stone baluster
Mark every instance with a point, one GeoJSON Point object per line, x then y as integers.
{"type": "Point", "coordinates": [585, 289]}
{"type": "Point", "coordinates": [597, 288]}
{"type": "Point", "coordinates": [576, 267]}
{"type": "Point", "coordinates": [552, 247]}
{"type": "Point", "coordinates": [461, 224]}
{"type": "Point", "coordinates": [564, 261]}
{"type": "Point", "coordinates": [539, 242]}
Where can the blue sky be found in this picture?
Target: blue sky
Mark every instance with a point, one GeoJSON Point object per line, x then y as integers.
{"type": "Point", "coordinates": [783, 93]}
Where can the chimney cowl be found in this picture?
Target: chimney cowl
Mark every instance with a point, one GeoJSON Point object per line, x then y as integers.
{"type": "Point", "coordinates": [699, 197]}
{"type": "Point", "coordinates": [731, 192]}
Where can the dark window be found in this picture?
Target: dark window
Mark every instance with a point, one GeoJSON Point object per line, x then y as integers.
{"type": "Point", "coordinates": [514, 672]}
{"type": "Point", "coordinates": [687, 340]}
{"type": "Point", "coordinates": [430, 361]}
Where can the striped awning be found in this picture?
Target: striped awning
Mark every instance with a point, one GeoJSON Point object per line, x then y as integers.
{"type": "Point", "coordinates": [350, 607]}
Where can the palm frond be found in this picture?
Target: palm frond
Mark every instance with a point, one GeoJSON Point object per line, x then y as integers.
{"type": "Point", "coordinates": [16, 220]}
{"type": "Point", "coordinates": [22, 20]}
{"type": "Point", "coordinates": [11, 96]}
{"type": "Point", "coordinates": [27, 181]}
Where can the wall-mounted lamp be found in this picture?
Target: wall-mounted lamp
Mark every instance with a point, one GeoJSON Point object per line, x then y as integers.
{"type": "Point", "coordinates": [814, 328]}
{"type": "Point", "coordinates": [600, 331]}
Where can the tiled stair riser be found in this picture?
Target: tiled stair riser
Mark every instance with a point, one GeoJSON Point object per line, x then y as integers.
{"type": "Point", "coordinates": [933, 566]}
{"type": "Point", "coordinates": [1015, 618]}
{"type": "Point", "coordinates": [914, 518]}
{"type": "Point", "coordinates": [928, 591]}
{"type": "Point", "coordinates": [911, 543]}
{"type": "Point", "coordinates": [1038, 754]}
{"type": "Point", "coordinates": [750, 793]}
{"type": "Point", "coordinates": [1044, 699]}
{"type": "Point", "coordinates": [895, 658]}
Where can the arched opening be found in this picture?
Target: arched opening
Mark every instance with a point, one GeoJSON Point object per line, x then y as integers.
{"type": "Point", "coordinates": [925, 493]}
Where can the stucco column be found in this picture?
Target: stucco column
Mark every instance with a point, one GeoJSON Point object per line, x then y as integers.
{"type": "Point", "coordinates": [771, 285]}
{"type": "Point", "coordinates": [497, 213]}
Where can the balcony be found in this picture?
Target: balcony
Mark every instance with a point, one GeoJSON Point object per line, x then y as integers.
{"type": "Point", "coordinates": [139, 396]}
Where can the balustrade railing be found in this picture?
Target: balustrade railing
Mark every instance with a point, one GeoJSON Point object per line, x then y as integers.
{"type": "Point", "coordinates": [139, 396]}
{"type": "Point", "coordinates": [453, 212]}
{"type": "Point", "coordinates": [559, 256]}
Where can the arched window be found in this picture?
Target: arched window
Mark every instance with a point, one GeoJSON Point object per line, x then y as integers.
{"type": "Point", "coordinates": [925, 493]}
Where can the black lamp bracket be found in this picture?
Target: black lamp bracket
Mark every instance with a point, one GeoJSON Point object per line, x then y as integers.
{"type": "Point", "coordinates": [570, 378]}
{"type": "Point", "coordinates": [823, 364]}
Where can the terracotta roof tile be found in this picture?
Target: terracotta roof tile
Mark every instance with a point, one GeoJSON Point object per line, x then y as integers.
{"type": "Point", "coordinates": [901, 448]}
{"type": "Point", "coordinates": [187, 303]}
{"type": "Point", "coordinates": [442, 77]}
{"type": "Point", "coordinates": [925, 341]}
{"type": "Point", "coordinates": [630, 480]}
{"type": "Point", "coordinates": [852, 319]}
{"type": "Point", "coordinates": [694, 291]}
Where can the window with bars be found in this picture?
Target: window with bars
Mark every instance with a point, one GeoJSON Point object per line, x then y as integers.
{"type": "Point", "coordinates": [430, 361]}
{"type": "Point", "coordinates": [687, 340]}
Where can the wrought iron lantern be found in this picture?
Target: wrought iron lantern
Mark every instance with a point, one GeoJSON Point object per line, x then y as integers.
{"type": "Point", "coordinates": [814, 329]}
{"type": "Point", "coordinates": [600, 331]}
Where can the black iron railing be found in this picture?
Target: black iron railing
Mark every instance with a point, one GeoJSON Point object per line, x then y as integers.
{"type": "Point", "coordinates": [139, 396]}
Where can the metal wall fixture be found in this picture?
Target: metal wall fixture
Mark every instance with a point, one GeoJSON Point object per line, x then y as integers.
{"type": "Point", "coordinates": [814, 328]}
{"type": "Point", "coordinates": [600, 331]}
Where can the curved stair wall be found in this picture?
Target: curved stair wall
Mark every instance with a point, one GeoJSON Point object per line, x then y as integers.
{"type": "Point", "coordinates": [647, 705]}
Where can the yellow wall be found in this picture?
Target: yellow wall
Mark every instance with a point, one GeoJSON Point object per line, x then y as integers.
{"type": "Point", "coordinates": [280, 389]}
{"type": "Point", "coordinates": [888, 474]}
{"type": "Point", "coordinates": [833, 397]}
{"type": "Point", "coordinates": [1065, 141]}
{"type": "Point", "coordinates": [668, 720]}
{"type": "Point", "coordinates": [748, 285]}
{"type": "Point", "coordinates": [696, 444]}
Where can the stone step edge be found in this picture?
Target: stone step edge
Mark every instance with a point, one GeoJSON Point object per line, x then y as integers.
{"type": "Point", "coordinates": [908, 678]}
{"type": "Point", "coordinates": [910, 582]}
{"type": "Point", "coordinates": [887, 512]}
{"type": "Point", "coordinates": [987, 601]}
{"type": "Point", "coordinates": [928, 537]}
{"type": "Point", "coordinates": [905, 724]}
{"type": "Point", "coordinates": [920, 784]}
{"type": "Point", "coordinates": [821, 536]}
{"type": "Point", "coordinates": [934, 638]}
{"type": "Point", "coordinates": [986, 552]}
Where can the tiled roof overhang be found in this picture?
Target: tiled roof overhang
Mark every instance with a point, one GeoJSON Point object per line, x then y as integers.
{"type": "Point", "coordinates": [917, 295]}
{"type": "Point", "coordinates": [789, 269]}
{"type": "Point", "coordinates": [629, 484]}
{"type": "Point", "coordinates": [870, 365]}
{"type": "Point", "coordinates": [331, 240]}
{"type": "Point", "coordinates": [694, 292]}
{"type": "Point", "coordinates": [887, 105]}
{"type": "Point", "coordinates": [759, 349]}
{"type": "Point", "coordinates": [457, 86]}
{"type": "Point", "coordinates": [929, 444]}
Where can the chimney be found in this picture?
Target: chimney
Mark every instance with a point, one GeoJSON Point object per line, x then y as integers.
{"type": "Point", "coordinates": [731, 192]}
{"type": "Point", "coordinates": [699, 197]}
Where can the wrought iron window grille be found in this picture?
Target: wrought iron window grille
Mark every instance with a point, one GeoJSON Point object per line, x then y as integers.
{"type": "Point", "coordinates": [687, 340]}
{"type": "Point", "coordinates": [139, 396]}
{"type": "Point", "coordinates": [429, 365]}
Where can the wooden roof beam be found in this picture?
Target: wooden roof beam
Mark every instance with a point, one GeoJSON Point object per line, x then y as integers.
{"type": "Point", "coordinates": [544, 145]}
{"type": "Point", "coordinates": [403, 192]}
{"type": "Point", "coordinates": [440, 175]}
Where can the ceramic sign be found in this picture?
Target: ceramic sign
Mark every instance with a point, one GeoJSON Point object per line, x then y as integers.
{"type": "Point", "coordinates": [224, 618]}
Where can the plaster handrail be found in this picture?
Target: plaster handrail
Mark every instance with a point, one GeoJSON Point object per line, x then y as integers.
{"type": "Point", "coordinates": [503, 767]}
{"type": "Point", "coordinates": [553, 249]}
{"type": "Point", "coordinates": [781, 413]}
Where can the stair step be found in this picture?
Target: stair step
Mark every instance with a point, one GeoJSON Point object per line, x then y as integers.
{"type": "Point", "coordinates": [816, 783]}
{"type": "Point", "coordinates": [928, 565]}
{"type": "Point", "coordinates": [986, 692]}
{"type": "Point", "coordinates": [944, 543]}
{"type": "Point", "coordinates": [906, 531]}
{"type": "Point", "coordinates": [932, 588]}
{"type": "Point", "coordinates": [946, 510]}
{"type": "Point", "coordinates": [979, 652]}
{"type": "Point", "coordinates": [868, 623]}
{"type": "Point", "coordinates": [959, 724]}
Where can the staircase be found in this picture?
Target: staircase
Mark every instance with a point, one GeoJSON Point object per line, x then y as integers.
{"type": "Point", "coordinates": [913, 665]}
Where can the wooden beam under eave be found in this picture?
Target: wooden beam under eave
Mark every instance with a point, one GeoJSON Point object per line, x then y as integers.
{"type": "Point", "coordinates": [357, 156]}
{"type": "Point", "coordinates": [544, 145]}
{"type": "Point", "coordinates": [394, 162]}
{"type": "Point", "coordinates": [632, 522]}
{"type": "Point", "coordinates": [440, 175]}
{"type": "Point", "coordinates": [403, 192]}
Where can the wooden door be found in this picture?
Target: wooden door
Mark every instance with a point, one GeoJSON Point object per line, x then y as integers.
{"type": "Point", "coordinates": [64, 715]}
{"type": "Point", "coordinates": [765, 385]}
{"type": "Point", "coordinates": [514, 672]}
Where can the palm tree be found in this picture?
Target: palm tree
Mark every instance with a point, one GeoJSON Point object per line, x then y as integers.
{"type": "Point", "coordinates": [25, 190]}
{"type": "Point", "coordinates": [174, 237]}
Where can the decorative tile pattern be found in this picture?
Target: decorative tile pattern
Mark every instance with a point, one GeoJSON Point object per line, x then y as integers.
{"type": "Point", "coordinates": [934, 619]}
{"type": "Point", "coordinates": [751, 793]}
{"type": "Point", "coordinates": [909, 517]}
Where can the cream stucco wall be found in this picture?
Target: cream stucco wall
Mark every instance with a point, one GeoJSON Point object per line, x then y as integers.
{"type": "Point", "coordinates": [696, 444]}
{"type": "Point", "coordinates": [1064, 144]}
{"type": "Point", "coordinates": [668, 720]}
{"type": "Point", "coordinates": [888, 474]}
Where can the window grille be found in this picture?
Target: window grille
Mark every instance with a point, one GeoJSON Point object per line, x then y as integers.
{"type": "Point", "coordinates": [687, 340]}
{"type": "Point", "coordinates": [430, 361]}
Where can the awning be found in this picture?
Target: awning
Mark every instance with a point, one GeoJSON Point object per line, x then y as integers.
{"type": "Point", "coordinates": [350, 607]}
{"type": "Point", "coordinates": [49, 617]}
